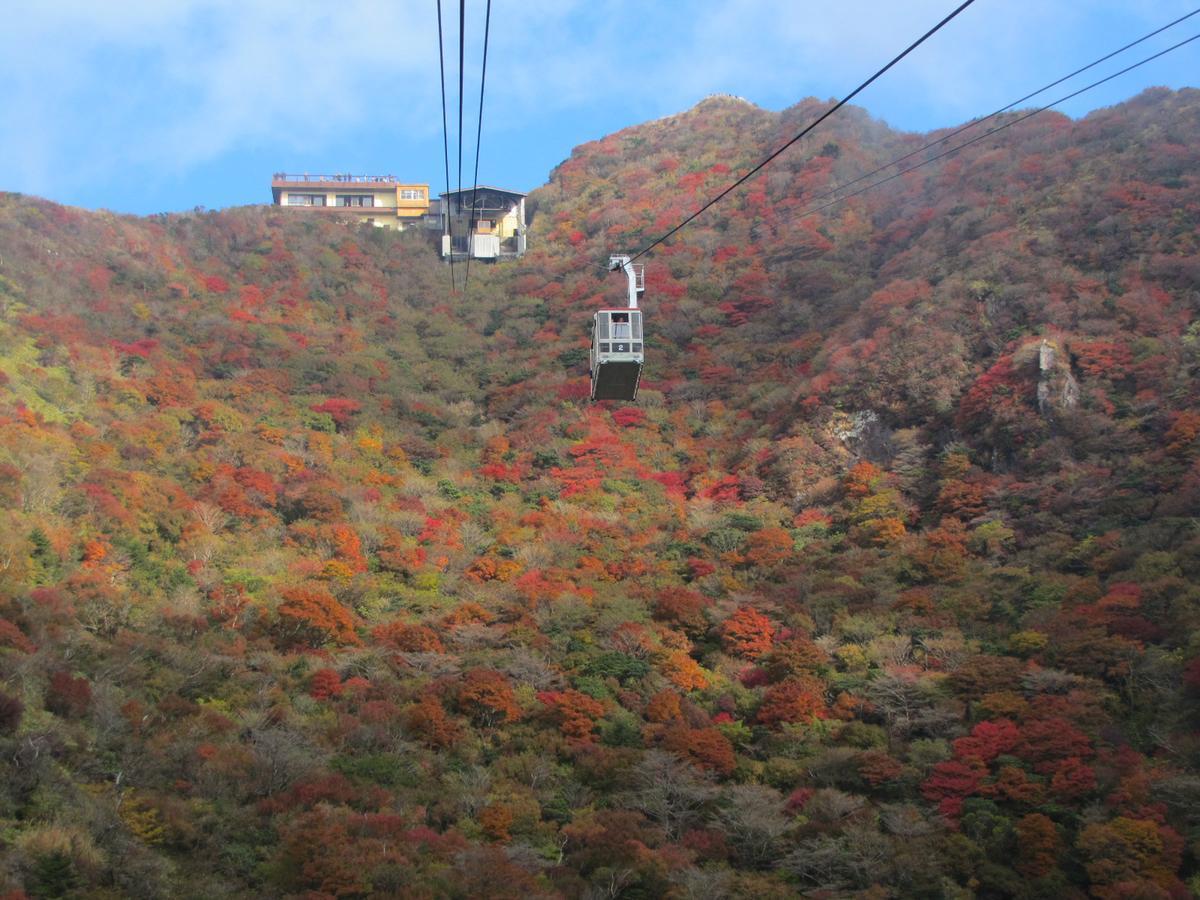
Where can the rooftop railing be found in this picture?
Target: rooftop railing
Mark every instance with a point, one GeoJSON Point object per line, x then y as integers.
{"type": "Point", "coordinates": [348, 179]}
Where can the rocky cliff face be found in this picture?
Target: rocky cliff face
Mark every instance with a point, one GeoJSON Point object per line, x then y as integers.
{"type": "Point", "coordinates": [1057, 388]}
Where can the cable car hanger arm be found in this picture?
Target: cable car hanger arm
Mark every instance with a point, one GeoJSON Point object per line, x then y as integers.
{"type": "Point", "coordinates": [634, 274]}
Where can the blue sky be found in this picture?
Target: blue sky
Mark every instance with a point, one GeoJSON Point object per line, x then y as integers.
{"type": "Point", "coordinates": [146, 106]}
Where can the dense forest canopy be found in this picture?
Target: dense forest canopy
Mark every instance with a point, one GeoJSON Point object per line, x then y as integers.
{"type": "Point", "coordinates": [318, 580]}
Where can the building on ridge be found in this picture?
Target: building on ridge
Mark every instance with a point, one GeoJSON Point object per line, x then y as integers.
{"type": "Point", "coordinates": [484, 222]}
{"type": "Point", "coordinates": [380, 200]}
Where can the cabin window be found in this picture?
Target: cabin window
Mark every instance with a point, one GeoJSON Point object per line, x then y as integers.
{"type": "Point", "coordinates": [620, 324]}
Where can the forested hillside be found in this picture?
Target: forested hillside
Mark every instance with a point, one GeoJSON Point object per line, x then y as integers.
{"type": "Point", "coordinates": [320, 580]}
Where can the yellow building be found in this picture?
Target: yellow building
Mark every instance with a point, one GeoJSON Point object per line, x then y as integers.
{"type": "Point", "coordinates": [379, 200]}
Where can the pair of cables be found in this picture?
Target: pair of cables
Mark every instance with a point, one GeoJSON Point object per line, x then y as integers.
{"type": "Point", "coordinates": [821, 118]}
{"type": "Point", "coordinates": [837, 196]}
{"type": "Point", "coordinates": [462, 44]}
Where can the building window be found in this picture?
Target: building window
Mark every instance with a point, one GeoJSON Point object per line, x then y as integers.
{"type": "Point", "coordinates": [306, 200]}
{"type": "Point", "coordinates": [355, 200]}
{"type": "Point", "coordinates": [407, 194]}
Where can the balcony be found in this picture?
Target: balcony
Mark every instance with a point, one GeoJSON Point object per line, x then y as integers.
{"type": "Point", "coordinates": [332, 182]}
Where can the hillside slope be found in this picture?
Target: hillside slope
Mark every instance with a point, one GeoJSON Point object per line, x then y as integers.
{"type": "Point", "coordinates": [319, 580]}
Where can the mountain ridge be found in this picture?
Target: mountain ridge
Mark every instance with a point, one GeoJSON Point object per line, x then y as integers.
{"type": "Point", "coordinates": [320, 580]}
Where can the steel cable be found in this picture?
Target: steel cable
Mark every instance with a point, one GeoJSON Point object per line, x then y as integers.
{"type": "Point", "coordinates": [825, 115]}
{"type": "Point", "coordinates": [986, 134]}
{"type": "Point", "coordinates": [445, 142]}
{"type": "Point", "coordinates": [969, 125]}
{"type": "Point", "coordinates": [487, 24]}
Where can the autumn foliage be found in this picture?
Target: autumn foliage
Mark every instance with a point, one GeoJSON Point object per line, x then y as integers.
{"type": "Point", "coordinates": [486, 696]}
{"type": "Point", "coordinates": [575, 712]}
{"type": "Point", "coordinates": [797, 699]}
{"type": "Point", "coordinates": [311, 616]}
{"type": "Point", "coordinates": [319, 579]}
{"type": "Point", "coordinates": [748, 633]}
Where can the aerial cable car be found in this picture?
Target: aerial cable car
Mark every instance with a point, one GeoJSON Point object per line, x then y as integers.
{"type": "Point", "coordinates": [617, 356]}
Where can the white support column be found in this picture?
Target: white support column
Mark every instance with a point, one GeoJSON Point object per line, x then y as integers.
{"type": "Point", "coordinates": [623, 263]}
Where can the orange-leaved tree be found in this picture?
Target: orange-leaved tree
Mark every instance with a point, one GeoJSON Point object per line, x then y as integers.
{"type": "Point", "coordinates": [310, 616]}
{"type": "Point", "coordinates": [575, 711]}
{"type": "Point", "coordinates": [748, 633]}
{"type": "Point", "coordinates": [486, 696]}
{"type": "Point", "coordinates": [798, 699]}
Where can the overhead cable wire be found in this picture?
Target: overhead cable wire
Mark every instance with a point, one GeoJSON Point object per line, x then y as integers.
{"type": "Point", "coordinates": [979, 121]}
{"type": "Point", "coordinates": [487, 23]}
{"type": "Point", "coordinates": [445, 143]}
{"type": "Point", "coordinates": [462, 45]}
{"type": "Point", "coordinates": [825, 115]}
{"type": "Point", "coordinates": [991, 131]}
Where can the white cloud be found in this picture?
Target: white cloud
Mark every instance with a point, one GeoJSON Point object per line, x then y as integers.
{"type": "Point", "coordinates": [94, 89]}
{"type": "Point", "coordinates": [171, 85]}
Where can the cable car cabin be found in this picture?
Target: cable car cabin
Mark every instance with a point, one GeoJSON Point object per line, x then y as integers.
{"type": "Point", "coordinates": [616, 354]}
